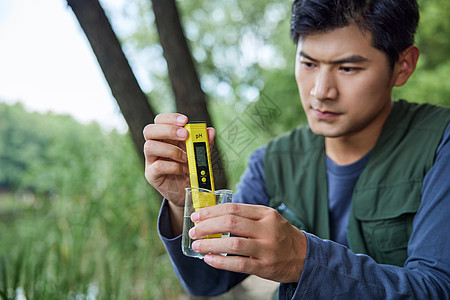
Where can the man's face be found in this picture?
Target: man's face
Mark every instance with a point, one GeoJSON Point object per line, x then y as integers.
{"type": "Point", "coordinates": [344, 82]}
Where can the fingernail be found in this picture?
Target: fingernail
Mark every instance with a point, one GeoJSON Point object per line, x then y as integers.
{"type": "Point", "coordinates": [194, 217]}
{"type": "Point", "coordinates": [208, 259]}
{"type": "Point", "coordinates": [181, 132]}
{"type": "Point", "coordinates": [195, 246]}
{"type": "Point", "coordinates": [192, 232]}
{"type": "Point", "coordinates": [181, 120]}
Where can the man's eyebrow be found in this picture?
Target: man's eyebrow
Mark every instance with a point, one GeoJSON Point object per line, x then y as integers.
{"type": "Point", "coordinates": [350, 59]}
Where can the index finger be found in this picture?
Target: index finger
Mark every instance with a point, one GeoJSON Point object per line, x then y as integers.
{"type": "Point", "coordinates": [171, 118]}
{"type": "Point", "coordinates": [249, 211]}
{"type": "Point", "coordinates": [176, 120]}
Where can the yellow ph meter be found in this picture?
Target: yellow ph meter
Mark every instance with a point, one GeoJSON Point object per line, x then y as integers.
{"type": "Point", "coordinates": [200, 167]}
{"type": "Point", "coordinates": [199, 157]}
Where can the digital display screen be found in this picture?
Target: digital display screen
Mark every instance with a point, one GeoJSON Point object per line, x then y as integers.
{"type": "Point", "coordinates": [200, 154]}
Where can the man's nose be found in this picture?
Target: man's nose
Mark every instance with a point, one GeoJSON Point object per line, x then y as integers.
{"type": "Point", "coordinates": [324, 86]}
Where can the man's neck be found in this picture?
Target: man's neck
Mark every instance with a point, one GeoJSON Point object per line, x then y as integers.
{"type": "Point", "coordinates": [343, 152]}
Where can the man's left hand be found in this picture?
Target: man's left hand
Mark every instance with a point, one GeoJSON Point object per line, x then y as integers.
{"type": "Point", "coordinates": [265, 244]}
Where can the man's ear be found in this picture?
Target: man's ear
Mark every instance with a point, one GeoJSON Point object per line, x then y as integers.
{"type": "Point", "coordinates": [405, 65]}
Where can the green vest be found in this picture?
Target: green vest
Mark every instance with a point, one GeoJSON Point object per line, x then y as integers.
{"type": "Point", "coordinates": [387, 194]}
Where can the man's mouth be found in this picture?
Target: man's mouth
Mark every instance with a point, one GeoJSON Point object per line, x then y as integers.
{"type": "Point", "coordinates": [325, 114]}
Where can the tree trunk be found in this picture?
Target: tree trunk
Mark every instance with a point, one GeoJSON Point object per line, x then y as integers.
{"type": "Point", "coordinates": [124, 87]}
{"type": "Point", "coordinates": [189, 96]}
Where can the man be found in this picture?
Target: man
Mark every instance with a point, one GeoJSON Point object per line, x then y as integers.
{"type": "Point", "coordinates": [353, 205]}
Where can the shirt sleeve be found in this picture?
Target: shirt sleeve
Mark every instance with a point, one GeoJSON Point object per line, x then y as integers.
{"type": "Point", "coordinates": [251, 188]}
{"type": "Point", "coordinates": [426, 273]}
{"type": "Point", "coordinates": [197, 277]}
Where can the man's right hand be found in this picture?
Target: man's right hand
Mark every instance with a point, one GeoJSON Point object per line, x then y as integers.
{"type": "Point", "coordinates": [166, 167]}
{"type": "Point", "coordinates": [165, 156]}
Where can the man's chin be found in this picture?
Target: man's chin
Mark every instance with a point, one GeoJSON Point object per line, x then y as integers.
{"type": "Point", "coordinates": [328, 133]}
{"type": "Point", "coordinates": [320, 130]}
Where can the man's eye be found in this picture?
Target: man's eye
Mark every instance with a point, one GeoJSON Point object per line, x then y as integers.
{"type": "Point", "coordinates": [307, 64]}
{"type": "Point", "coordinates": [349, 69]}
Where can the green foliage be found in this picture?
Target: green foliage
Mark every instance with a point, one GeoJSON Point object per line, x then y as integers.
{"type": "Point", "coordinates": [233, 43]}
{"type": "Point", "coordinates": [79, 219]}
{"type": "Point", "coordinates": [429, 83]}
{"type": "Point", "coordinates": [14, 152]}
{"type": "Point", "coordinates": [433, 32]}
{"type": "Point", "coordinates": [427, 86]}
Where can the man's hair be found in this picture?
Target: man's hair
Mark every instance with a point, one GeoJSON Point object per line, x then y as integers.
{"type": "Point", "coordinates": [392, 23]}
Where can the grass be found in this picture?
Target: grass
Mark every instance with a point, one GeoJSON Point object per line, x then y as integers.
{"type": "Point", "coordinates": [63, 248]}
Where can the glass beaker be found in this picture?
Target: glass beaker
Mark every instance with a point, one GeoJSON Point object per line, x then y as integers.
{"type": "Point", "coordinates": [195, 199]}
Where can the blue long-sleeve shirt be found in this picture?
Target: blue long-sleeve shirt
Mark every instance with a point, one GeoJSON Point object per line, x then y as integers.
{"type": "Point", "coordinates": [331, 270]}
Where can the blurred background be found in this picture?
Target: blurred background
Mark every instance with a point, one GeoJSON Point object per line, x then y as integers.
{"type": "Point", "coordinates": [77, 217]}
